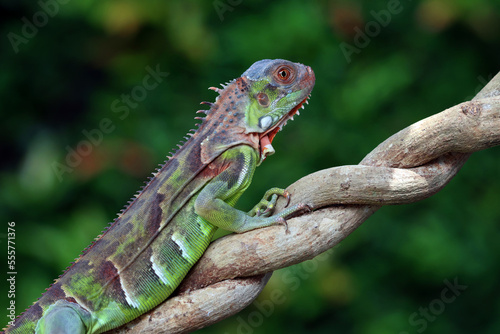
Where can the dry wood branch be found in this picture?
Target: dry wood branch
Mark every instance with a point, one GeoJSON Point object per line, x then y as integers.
{"type": "Point", "coordinates": [411, 165]}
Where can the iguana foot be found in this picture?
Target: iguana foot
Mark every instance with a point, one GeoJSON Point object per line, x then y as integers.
{"type": "Point", "coordinates": [267, 204]}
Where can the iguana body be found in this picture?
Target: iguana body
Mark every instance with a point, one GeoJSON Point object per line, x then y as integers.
{"type": "Point", "coordinates": [139, 261]}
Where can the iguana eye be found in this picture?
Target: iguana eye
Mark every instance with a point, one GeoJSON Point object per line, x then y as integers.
{"type": "Point", "coordinates": [284, 74]}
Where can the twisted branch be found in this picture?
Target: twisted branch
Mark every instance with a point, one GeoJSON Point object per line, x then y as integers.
{"type": "Point", "coordinates": [413, 164]}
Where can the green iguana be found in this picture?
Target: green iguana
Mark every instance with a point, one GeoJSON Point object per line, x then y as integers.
{"type": "Point", "coordinates": [146, 252]}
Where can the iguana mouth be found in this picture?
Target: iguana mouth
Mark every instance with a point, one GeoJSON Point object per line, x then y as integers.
{"type": "Point", "coordinates": [267, 137]}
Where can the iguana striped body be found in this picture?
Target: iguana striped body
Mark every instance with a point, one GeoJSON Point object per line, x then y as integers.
{"type": "Point", "coordinates": [139, 261]}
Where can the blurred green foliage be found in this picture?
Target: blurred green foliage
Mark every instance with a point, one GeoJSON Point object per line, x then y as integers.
{"type": "Point", "coordinates": [73, 67]}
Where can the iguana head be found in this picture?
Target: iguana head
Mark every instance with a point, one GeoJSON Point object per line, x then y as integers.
{"type": "Point", "coordinates": [277, 89]}
{"type": "Point", "coordinates": [253, 108]}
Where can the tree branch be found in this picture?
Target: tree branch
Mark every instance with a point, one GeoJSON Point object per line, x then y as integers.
{"type": "Point", "coordinates": [411, 165]}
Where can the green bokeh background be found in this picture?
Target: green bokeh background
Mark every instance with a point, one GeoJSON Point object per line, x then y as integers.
{"type": "Point", "coordinates": [419, 58]}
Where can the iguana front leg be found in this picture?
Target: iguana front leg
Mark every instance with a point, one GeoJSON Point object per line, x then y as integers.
{"type": "Point", "coordinates": [215, 202]}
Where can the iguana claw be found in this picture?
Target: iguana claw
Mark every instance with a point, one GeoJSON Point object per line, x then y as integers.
{"type": "Point", "coordinates": [291, 211]}
{"type": "Point", "coordinates": [282, 221]}
{"type": "Point", "coordinates": [287, 196]}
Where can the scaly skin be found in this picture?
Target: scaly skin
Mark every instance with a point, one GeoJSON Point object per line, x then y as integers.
{"type": "Point", "coordinates": [144, 255]}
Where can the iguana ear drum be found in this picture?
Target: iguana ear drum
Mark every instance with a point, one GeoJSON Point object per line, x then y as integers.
{"type": "Point", "coordinates": [263, 99]}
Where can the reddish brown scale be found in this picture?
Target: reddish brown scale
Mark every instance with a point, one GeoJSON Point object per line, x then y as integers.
{"type": "Point", "coordinates": [107, 272]}
{"type": "Point", "coordinates": [56, 292]}
{"type": "Point", "coordinates": [214, 170]}
{"type": "Point", "coordinates": [154, 220]}
{"type": "Point", "coordinates": [71, 300]}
